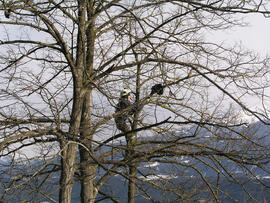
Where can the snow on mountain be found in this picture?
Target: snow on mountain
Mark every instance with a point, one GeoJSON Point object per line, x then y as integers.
{"type": "Point", "coordinates": [158, 176]}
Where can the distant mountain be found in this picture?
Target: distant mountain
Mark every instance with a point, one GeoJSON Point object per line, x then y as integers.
{"type": "Point", "coordinates": [190, 173]}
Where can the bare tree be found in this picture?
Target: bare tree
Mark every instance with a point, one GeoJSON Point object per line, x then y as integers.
{"type": "Point", "coordinates": [64, 63]}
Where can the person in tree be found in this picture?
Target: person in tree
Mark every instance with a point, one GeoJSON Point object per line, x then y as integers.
{"type": "Point", "coordinates": [125, 109]}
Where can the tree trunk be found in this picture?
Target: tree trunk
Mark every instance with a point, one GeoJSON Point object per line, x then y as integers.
{"type": "Point", "coordinates": [132, 168]}
{"type": "Point", "coordinates": [79, 95]}
{"type": "Point", "coordinates": [88, 189]}
{"type": "Point", "coordinates": [67, 172]}
{"type": "Point", "coordinates": [88, 192]}
{"type": "Point", "coordinates": [69, 150]}
{"type": "Point", "coordinates": [131, 143]}
{"type": "Point", "coordinates": [132, 183]}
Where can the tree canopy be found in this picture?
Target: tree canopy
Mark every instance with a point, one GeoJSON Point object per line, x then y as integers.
{"type": "Point", "coordinates": [63, 66]}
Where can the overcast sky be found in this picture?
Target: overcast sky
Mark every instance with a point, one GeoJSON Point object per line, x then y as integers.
{"type": "Point", "coordinates": [255, 37]}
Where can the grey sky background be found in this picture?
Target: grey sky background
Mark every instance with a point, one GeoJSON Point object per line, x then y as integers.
{"type": "Point", "coordinates": [255, 36]}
